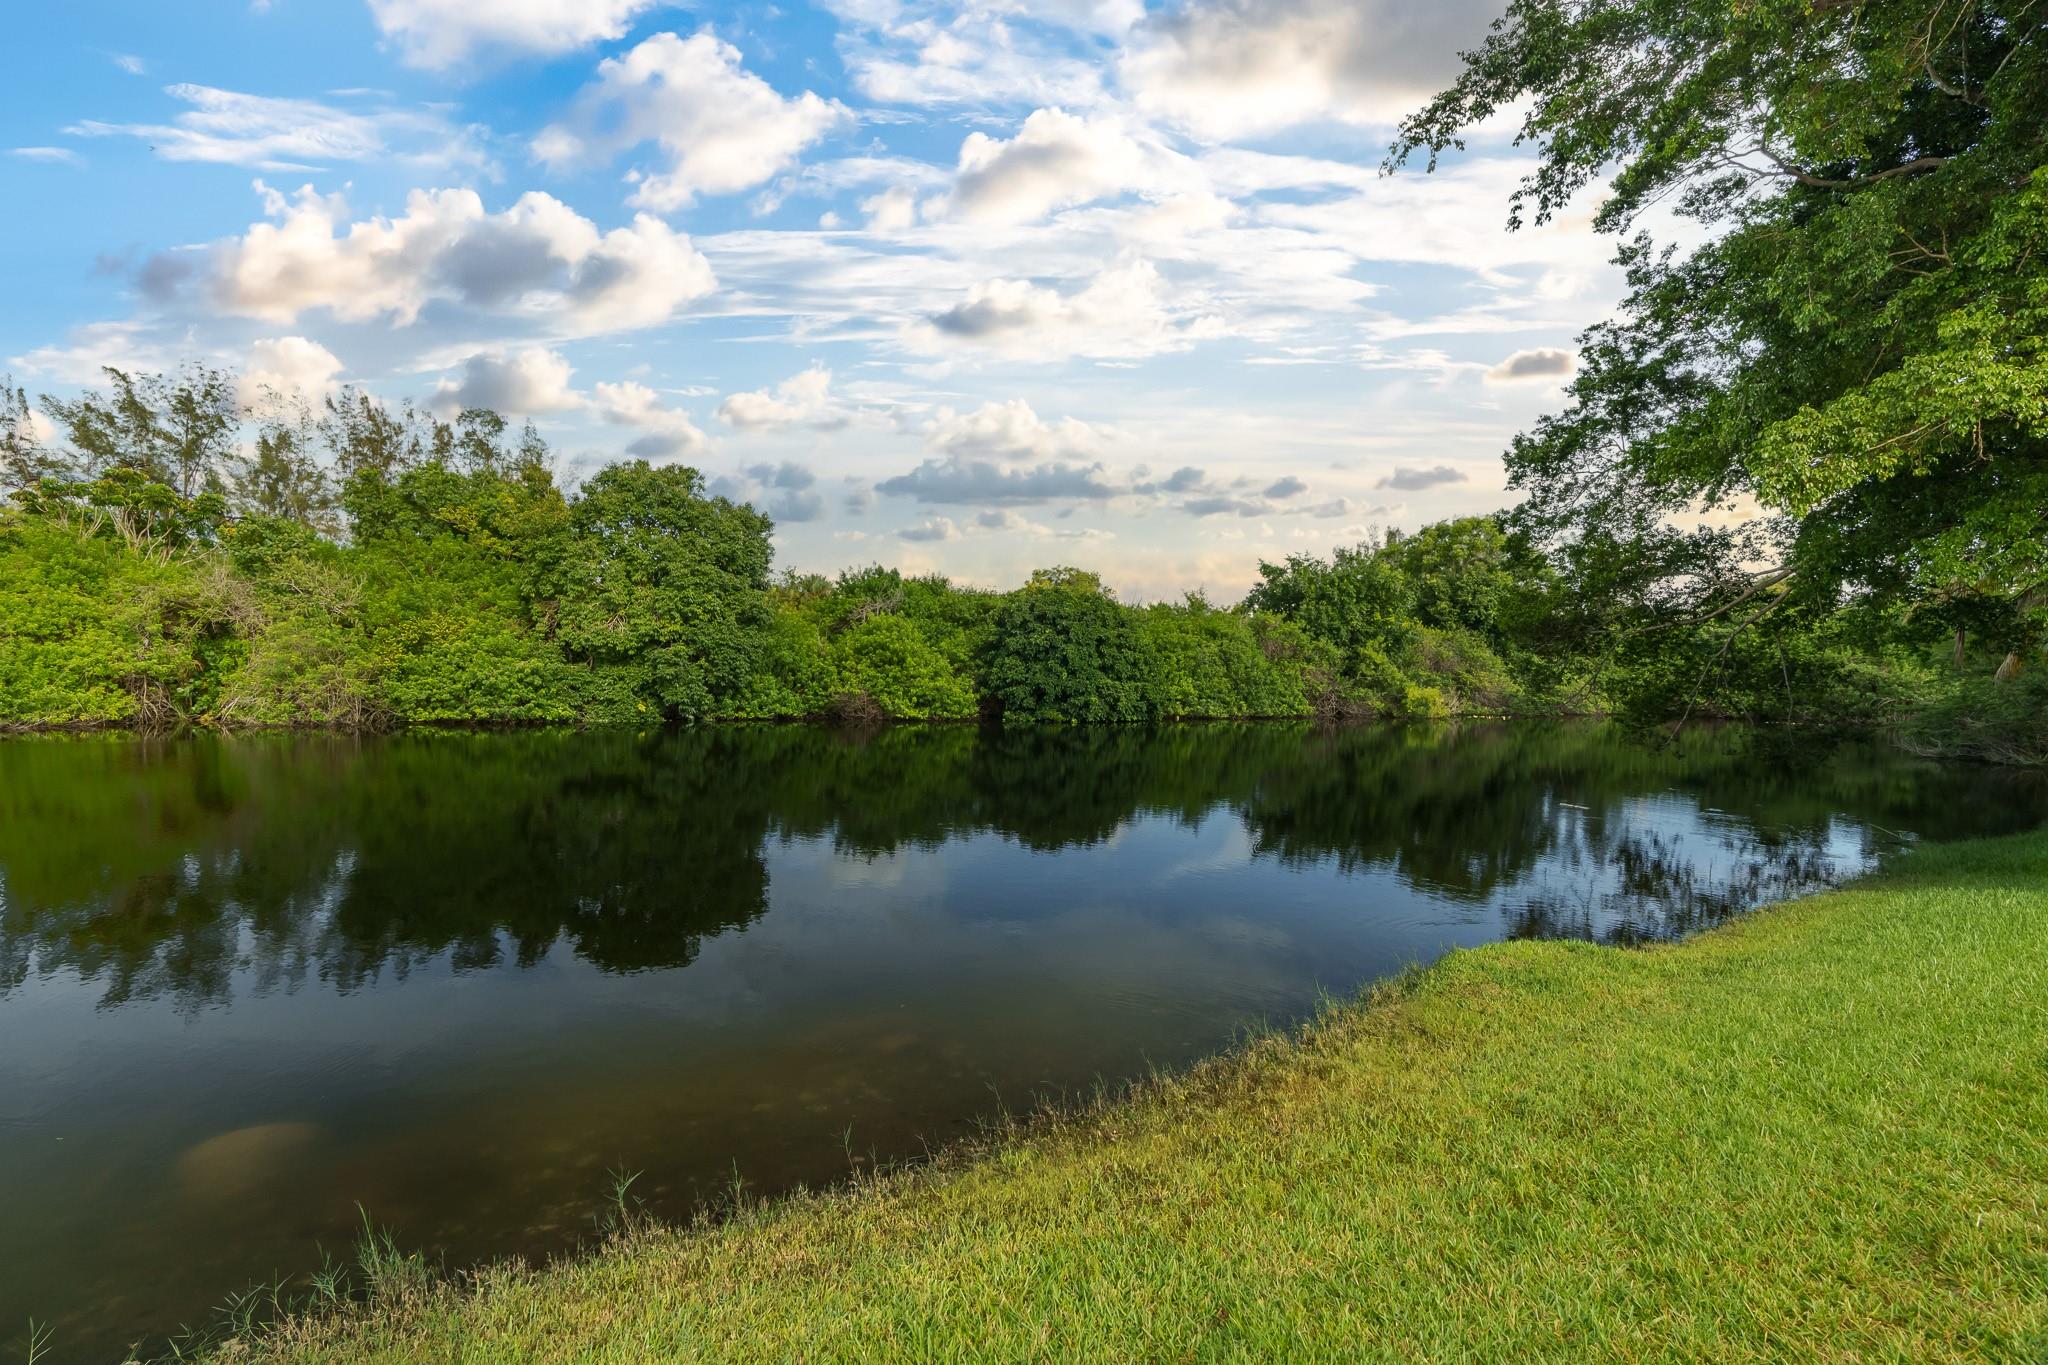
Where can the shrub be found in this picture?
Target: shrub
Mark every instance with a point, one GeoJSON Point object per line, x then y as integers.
{"type": "Point", "coordinates": [1065, 651]}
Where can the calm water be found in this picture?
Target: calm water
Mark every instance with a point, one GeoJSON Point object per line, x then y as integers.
{"type": "Point", "coordinates": [248, 983]}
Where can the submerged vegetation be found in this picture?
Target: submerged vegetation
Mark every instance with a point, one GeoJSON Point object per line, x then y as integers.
{"type": "Point", "coordinates": [1530, 1149]}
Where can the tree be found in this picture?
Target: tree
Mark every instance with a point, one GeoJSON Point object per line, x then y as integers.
{"type": "Point", "coordinates": [177, 429]}
{"type": "Point", "coordinates": [25, 460]}
{"type": "Point", "coordinates": [283, 478]}
{"type": "Point", "coordinates": [1861, 347]}
{"type": "Point", "coordinates": [661, 580]}
{"type": "Point", "coordinates": [478, 441]}
{"type": "Point", "coordinates": [1063, 650]}
{"type": "Point", "coordinates": [365, 437]}
{"type": "Point", "coordinates": [1358, 601]}
{"type": "Point", "coordinates": [1460, 570]}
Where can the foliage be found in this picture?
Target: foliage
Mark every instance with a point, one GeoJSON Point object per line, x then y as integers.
{"type": "Point", "coordinates": [368, 566]}
{"type": "Point", "coordinates": [661, 580]}
{"type": "Point", "coordinates": [176, 430]}
{"type": "Point", "coordinates": [1998, 722]}
{"type": "Point", "coordinates": [1858, 347]}
{"type": "Point", "coordinates": [1065, 651]}
{"type": "Point", "coordinates": [887, 662]}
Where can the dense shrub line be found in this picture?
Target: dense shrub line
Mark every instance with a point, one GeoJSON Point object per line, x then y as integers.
{"type": "Point", "coordinates": [375, 568]}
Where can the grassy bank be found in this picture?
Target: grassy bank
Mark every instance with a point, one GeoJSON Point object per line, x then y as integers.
{"type": "Point", "coordinates": [1821, 1132]}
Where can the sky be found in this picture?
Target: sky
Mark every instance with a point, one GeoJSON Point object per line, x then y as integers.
{"type": "Point", "coordinates": [974, 287]}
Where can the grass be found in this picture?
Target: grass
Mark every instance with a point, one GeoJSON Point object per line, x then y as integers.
{"type": "Point", "coordinates": [1818, 1133]}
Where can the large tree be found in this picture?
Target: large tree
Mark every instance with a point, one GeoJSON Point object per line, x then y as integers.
{"type": "Point", "coordinates": [664, 583]}
{"type": "Point", "coordinates": [1860, 347]}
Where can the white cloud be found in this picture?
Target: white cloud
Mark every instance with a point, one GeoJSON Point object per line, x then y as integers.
{"type": "Point", "coordinates": [95, 345]}
{"type": "Point", "coordinates": [129, 63]}
{"type": "Point", "coordinates": [39, 429]}
{"type": "Point", "coordinates": [801, 400]}
{"type": "Point", "coordinates": [538, 260]}
{"type": "Point", "coordinates": [1227, 69]}
{"type": "Point", "coordinates": [289, 365]}
{"type": "Point", "coordinates": [1541, 364]}
{"type": "Point", "coordinates": [723, 128]}
{"type": "Point", "coordinates": [439, 33]}
{"type": "Point", "coordinates": [1009, 431]}
{"type": "Point", "coordinates": [669, 432]}
{"type": "Point", "coordinates": [62, 155]}
{"type": "Point", "coordinates": [229, 127]}
{"type": "Point", "coordinates": [893, 210]}
{"type": "Point", "coordinates": [932, 529]}
{"type": "Point", "coordinates": [924, 53]}
{"type": "Point", "coordinates": [1056, 160]}
{"type": "Point", "coordinates": [528, 383]}
{"type": "Point", "coordinates": [1123, 312]}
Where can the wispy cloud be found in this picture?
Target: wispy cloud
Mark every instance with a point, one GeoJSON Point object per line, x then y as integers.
{"type": "Point", "coordinates": [268, 133]}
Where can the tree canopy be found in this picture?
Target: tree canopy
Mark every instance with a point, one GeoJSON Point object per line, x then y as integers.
{"type": "Point", "coordinates": [1859, 350]}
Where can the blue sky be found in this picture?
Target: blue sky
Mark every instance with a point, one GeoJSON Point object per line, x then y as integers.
{"type": "Point", "coordinates": [971, 286]}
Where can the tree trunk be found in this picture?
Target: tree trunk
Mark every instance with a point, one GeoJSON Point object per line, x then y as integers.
{"type": "Point", "coordinates": [2008, 670]}
{"type": "Point", "coordinates": [1960, 637]}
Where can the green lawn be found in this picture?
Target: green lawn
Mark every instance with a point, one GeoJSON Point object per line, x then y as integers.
{"type": "Point", "coordinates": [1819, 1133]}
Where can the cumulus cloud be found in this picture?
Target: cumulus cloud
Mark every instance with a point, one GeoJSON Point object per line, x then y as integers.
{"type": "Point", "coordinates": [1009, 431]}
{"type": "Point", "coordinates": [927, 52]}
{"type": "Point", "coordinates": [1218, 505]}
{"type": "Point", "coordinates": [1411, 480]}
{"type": "Point", "coordinates": [289, 365]}
{"type": "Point", "coordinates": [440, 33]}
{"type": "Point", "coordinates": [1289, 487]}
{"type": "Point", "coordinates": [787, 475]}
{"type": "Point", "coordinates": [958, 480]}
{"type": "Point", "coordinates": [933, 529]}
{"type": "Point", "coordinates": [722, 128]}
{"type": "Point", "coordinates": [1539, 364]}
{"type": "Point", "coordinates": [668, 433]}
{"type": "Point", "coordinates": [893, 210]}
{"type": "Point", "coordinates": [1227, 69]}
{"type": "Point", "coordinates": [789, 493]}
{"type": "Point", "coordinates": [1056, 160]}
{"type": "Point", "coordinates": [539, 260]}
{"type": "Point", "coordinates": [800, 506]}
{"type": "Point", "coordinates": [801, 400]}
{"type": "Point", "coordinates": [1123, 312]}
{"type": "Point", "coordinates": [520, 383]}
{"type": "Point", "coordinates": [228, 127]}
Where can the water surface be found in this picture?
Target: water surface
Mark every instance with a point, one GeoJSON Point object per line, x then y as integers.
{"type": "Point", "coordinates": [248, 983]}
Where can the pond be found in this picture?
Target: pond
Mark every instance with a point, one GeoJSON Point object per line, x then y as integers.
{"type": "Point", "coordinates": [248, 984]}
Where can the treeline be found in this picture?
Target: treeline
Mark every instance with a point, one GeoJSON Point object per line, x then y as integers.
{"type": "Point", "coordinates": [365, 566]}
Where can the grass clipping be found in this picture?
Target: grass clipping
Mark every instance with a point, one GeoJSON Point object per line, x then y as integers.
{"type": "Point", "coordinates": [1818, 1133]}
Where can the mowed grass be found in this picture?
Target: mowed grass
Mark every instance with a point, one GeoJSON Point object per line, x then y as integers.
{"type": "Point", "coordinates": [1818, 1133]}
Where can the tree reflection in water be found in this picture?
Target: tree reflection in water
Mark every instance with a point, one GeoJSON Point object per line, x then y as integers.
{"type": "Point", "coordinates": [176, 869]}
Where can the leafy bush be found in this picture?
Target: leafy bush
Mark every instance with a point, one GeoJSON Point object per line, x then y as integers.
{"type": "Point", "coordinates": [888, 661]}
{"type": "Point", "coordinates": [1996, 721]}
{"type": "Point", "coordinates": [1425, 703]}
{"type": "Point", "coordinates": [1065, 651]}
